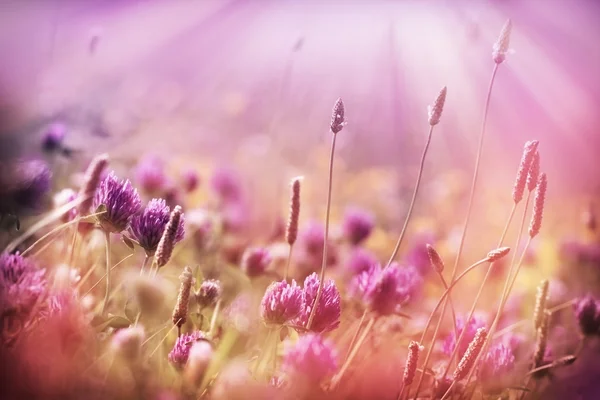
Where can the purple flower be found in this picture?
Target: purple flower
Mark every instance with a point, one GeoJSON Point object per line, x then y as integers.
{"type": "Point", "coordinates": [34, 181]}
{"type": "Point", "coordinates": [357, 225]}
{"type": "Point", "coordinates": [311, 357]}
{"type": "Point", "coordinates": [328, 311]}
{"type": "Point", "coordinates": [360, 260]}
{"type": "Point", "coordinates": [209, 293]}
{"type": "Point", "coordinates": [22, 287]}
{"type": "Point", "coordinates": [281, 303]}
{"type": "Point", "coordinates": [150, 174]}
{"type": "Point", "coordinates": [121, 200]}
{"type": "Point", "coordinates": [255, 261]}
{"type": "Point", "coordinates": [587, 311]}
{"type": "Point", "coordinates": [181, 350]}
{"type": "Point", "coordinates": [53, 137]}
{"type": "Point", "coordinates": [227, 184]}
{"type": "Point", "coordinates": [310, 247]}
{"type": "Point", "coordinates": [148, 226]}
{"type": "Point", "coordinates": [496, 367]}
{"type": "Point", "coordinates": [475, 323]}
{"type": "Point", "coordinates": [190, 179]}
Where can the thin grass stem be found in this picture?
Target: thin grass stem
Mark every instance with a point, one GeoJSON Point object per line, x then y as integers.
{"type": "Point", "coordinates": [338, 377]}
{"type": "Point", "coordinates": [108, 269]}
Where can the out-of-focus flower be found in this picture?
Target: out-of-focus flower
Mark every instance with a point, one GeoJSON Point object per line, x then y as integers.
{"type": "Point", "coordinates": [62, 198]}
{"type": "Point", "coordinates": [226, 183]}
{"type": "Point", "coordinates": [417, 254]}
{"type": "Point", "coordinates": [255, 261]}
{"type": "Point", "coordinates": [181, 350]}
{"type": "Point", "coordinates": [495, 369]}
{"type": "Point", "coordinates": [53, 137]}
{"type": "Point", "coordinates": [209, 293]}
{"type": "Point", "coordinates": [22, 287]}
{"type": "Point", "coordinates": [150, 174]}
{"type": "Point", "coordinates": [200, 225]}
{"type": "Point", "coordinates": [121, 200]}
{"type": "Point", "coordinates": [127, 343]}
{"type": "Point", "coordinates": [311, 357]}
{"type": "Point", "coordinates": [359, 260]}
{"type": "Point", "coordinates": [148, 226]}
{"type": "Point", "coordinates": [385, 290]}
{"type": "Point", "coordinates": [310, 245]}
{"type": "Point", "coordinates": [32, 181]}
{"type": "Point", "coordinates": [474, 324]}
{"type": "Point", "coordinates": [190, 180]}
{"type": "Point", "coordinates": [281, 303]}
{"type": "Point", "coordinates": [587, 311]}
{"type": "Point", "coordinates": [201, 354]}
{"type": "Point", "coordinates": [242, 313]}
{"type": "Point", "coordinates": [328, 311]}
{"type": "Point", "coordinates": [357, 225]}
{"type": "Point", "coordinates": [235, 382]}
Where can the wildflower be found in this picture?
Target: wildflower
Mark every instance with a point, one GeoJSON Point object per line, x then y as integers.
{"type": "Point", "coordinates": [475, 323]}
{"type": "Point", "coordinates": [53, 137]}
{"type": "Point", "coordinates": [311, 357]}
{"type": "Point", "coordinates": [411, 362]}
{"type": "Point", "coordinates": [468, 359]}
{"type": "Point", "coordinates": [526, 160]}
{"type": "Point", "coordinates": [496, 367]}
{"type": "Point", "coordinates": [150, 174]}
{"type": "Point", "coordinates": [148, 226]}
{"type": "Point", "coordinates": [255, 261]}
{"type": "Point", "coordinates": [337, 116]}
{"type": "Point", "coordinates": [328, 311]}
{"type": "Point", "coordinates": [291, 232]}
{"type": "Point", "coordinates": [183, 298]}
{"type": "Point", "coordinates": [181, 350]}
{"type": "Point", "coordinates": [226, 183]}
{"type": "Point", "coordinates": [91, 181]}
{"type": "Point", "coordinates": [359, 260]}
{"type": "Point", "coordinates": [208, 294]}
{"type": "Point", "coordinates": [168, 238]}
{"type": "Point", "coordinates": [435, 111]}
{"type": "Point", "coordinates": [121, 200]}
{"type": "Point", "coordinates": [357, 225]}
{"type": "Point", "coordinates": [127, 343]}
{"type": "Point", "coordinates": [501, 46]}
{"type": "Point", "coordinates": [538, 206]}
{"type": "Point", "coordinates": [311, 245]}
{"type": "Point", "coordinates": [200, 357]}
{"type": "Point", "coordinates": [281, 303]}
{"type": "Point", "coordinates": [436, 261]}
{"type": "Point", "coordinates": [587, 311]}
{"type": "Point", "coordinates": [190, 179]}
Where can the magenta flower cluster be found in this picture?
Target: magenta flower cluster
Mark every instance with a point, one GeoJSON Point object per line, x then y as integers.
{"type": "Point", "coordinates": [311, 357]}
{"type": "Point", "coordinates": [148, 226]}
{"type": "Point", "coordinates": [181, 350]}
{"type": "Point", "coordinates": [121, 201]}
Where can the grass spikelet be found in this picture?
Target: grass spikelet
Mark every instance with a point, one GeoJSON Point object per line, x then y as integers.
{"type": "Point", "coordinates": [538, 206]}
{"type": "Point", "coordinates": [167, 241]}
{"type": "Point", "coordinates": [540, 303]}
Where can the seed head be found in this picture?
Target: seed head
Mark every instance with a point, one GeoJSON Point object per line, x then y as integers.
{"type": "Point", "coordinates": [337, 117]}
{"type": "Point", "coordinates": [169, 237]}
{"type": "Point", "coordinates": [540, 303]}
{"type": "Point", "coordinates": [411, 362]}
{"type": "Point", "coordinates": [468, 359]}
{"type": "Point", "coordinates": [91, 181]}
{"type": "Point", "coordinates": [542, 340]}
{"type": "Point", "coordinates": [148, 226]}
{"type": "Point", "coordinates": [436, 261]}
{"type": "Point", "coordinates": [497, 254]}
{"type": "Point", "coordinates": [209, 293]}
{"type": "Point", "coordinates": [534, 172]}
{"type": "Point", "coordinates": [501, 46]}
{"type": "Point", "coordinates": [435, 111]}
{"type": "Point", "coordinates": [524, 167]}
{"type": "Point", "coordinates": [183, 299]}
{"type": "Point", "coordinates": [291, 232]}
{"type": "Point", "coordinates": [538, 206]}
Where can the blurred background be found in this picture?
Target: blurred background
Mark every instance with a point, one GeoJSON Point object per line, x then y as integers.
{"type": "Point", "coordinates": [253, 83]}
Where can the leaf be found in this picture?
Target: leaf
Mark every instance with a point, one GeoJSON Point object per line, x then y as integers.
{"type": "Point", "coordinates": [128, 242]}
{"type": "Point", "coordinates": [130, 310]}
{"type": "Point", "coordinates": [117, 321]}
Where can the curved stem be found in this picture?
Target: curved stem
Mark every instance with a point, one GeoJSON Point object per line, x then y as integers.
{"type": "Point", "coordinates": [471, 193]}
{"type": "Point", "coordinates": [146, 258]}
{"type": "Point", "coordinates": [108, 267]}
{"type": "Point", "coordinates": [448, 391]}
{"type": "Point", "coordinates": [452, 310]}
{"type": "Point", "coordinates": [287, 265]}
{"type": "Point", "coordinates": [324, 262]}
{"type": "Point", "coordinates": [336, 379]}
{"type": "Point", "coordinates": [413, 200]}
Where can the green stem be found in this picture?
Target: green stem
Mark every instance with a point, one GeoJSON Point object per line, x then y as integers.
{"type": "Point", "coordinates": [324, 262]}
{"type": "Point", "coordinates": [108, 268]}
{"type": "Point", "coordinates": [413, 200]}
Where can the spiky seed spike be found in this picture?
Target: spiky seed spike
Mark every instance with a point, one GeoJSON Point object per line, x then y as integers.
{"type": "Point", "coordinates": [436, 261]}
{"type": "Point", "coordinates": [435, 111]}
{"type": "Point", "coordinates": [542, 340]}
{"type": "Point", "coordinates": [501, 46]}
{"type": "Point", "coordinates": [468, 359]}
{"type": "Point", "coordinates": [538, 206]}
{"type": "Point", "coordinates": [497, 254]}
{"type": "Point", "coordinates": [534, 172]}
{"type": "Point", "coordinates": [526, 160]}
{"type": "Point", "coordinates": [540, 303]}
{"type": "Point", "coordinates": [183, 298]}
{"type": "Point", "coordinates": [167, 240]}
{"type": "Point", "coordinates": [91, 181]}
{"type": "Point", "coordinates": [338, 116]}
{"type": "Point", "coordinates": [564, 361]}
{"type": "Point", "coordinates": [291, 232]}
{"type": "Point", "coordinates": [411, 362]}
